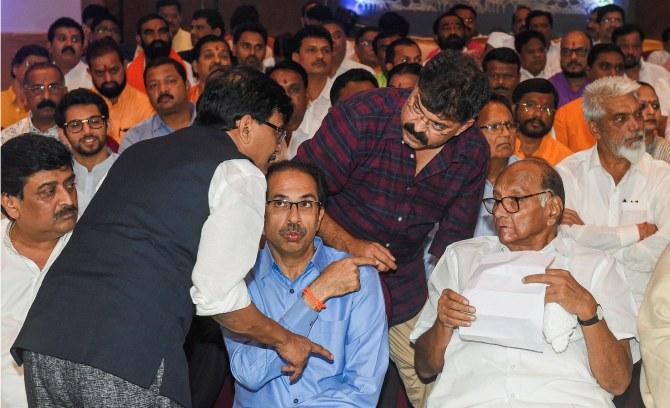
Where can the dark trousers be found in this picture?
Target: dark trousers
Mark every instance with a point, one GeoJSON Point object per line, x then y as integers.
{"type": "Point", "coordinates": [632, 397]}
{"type": "Point", "coordinates": [207, 359]}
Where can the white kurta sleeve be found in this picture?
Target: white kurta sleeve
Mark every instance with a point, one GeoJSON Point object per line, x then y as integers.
{"type": "Point", "coordinates": [230, 238]}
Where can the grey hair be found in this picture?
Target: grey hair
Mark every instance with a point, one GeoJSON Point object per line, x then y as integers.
{"type": "Point", "coordinates": [603, 90]}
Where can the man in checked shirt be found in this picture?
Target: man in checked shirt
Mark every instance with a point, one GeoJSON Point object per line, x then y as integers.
{"type": "Point", "coordinates": [396, 162]}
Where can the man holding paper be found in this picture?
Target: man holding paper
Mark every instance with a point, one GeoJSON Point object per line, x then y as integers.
{"type": "Point", "coordinates": [588, 312]}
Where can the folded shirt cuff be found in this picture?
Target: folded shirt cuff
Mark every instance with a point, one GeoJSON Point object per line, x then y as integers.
{"type": "Point", "coordinates": [237, 298]}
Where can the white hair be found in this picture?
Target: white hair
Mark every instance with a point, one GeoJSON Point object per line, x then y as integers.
{"type": "Point", "coordinates": [600, 91]}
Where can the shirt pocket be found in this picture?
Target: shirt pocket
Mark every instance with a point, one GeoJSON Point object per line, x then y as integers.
{"type": "Point", "coordinates": [633, 213]}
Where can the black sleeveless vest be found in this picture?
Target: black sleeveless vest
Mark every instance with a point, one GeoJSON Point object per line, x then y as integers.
{"type": "Point", "coordinates": [117, 298]}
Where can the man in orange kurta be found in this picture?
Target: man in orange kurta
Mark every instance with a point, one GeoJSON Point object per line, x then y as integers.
{"type": "Point", "coordinates": [535, 103]}
{"type": "Point", "coordinates": [127, 105]}
{"type": "Point", "coordinates": [570, 125]}
{"type": "Point", "coordinates": [153, 35]}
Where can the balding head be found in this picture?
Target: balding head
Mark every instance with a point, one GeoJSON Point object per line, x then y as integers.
{"type": "Point", "coordinates": [531, 198]}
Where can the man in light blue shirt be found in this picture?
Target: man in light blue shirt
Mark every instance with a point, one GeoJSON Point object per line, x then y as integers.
{"type": "Point", "coordinates": [315, 291]}
{"type": "Point", "coordinates": [167, 87]}
{"type": "Point", "coordinates": [497, 124]}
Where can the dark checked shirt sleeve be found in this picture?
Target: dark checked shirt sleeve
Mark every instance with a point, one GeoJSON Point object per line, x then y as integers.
{"type": "Point", "coordinates": [374, 194]}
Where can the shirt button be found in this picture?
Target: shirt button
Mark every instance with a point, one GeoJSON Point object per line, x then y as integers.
{"type": "Point", "coordinates": [295, 401]}
{"type": "Point", "coordinates": [388, 244]}
{"type": "Point", "coordinates": [408, 188]}
{"type": "Point", "coordinates": [291, 291]}
{"type": "Point", "coordinates": [411, 155]}
{"type": "Point", "coordinates": [399, 218]}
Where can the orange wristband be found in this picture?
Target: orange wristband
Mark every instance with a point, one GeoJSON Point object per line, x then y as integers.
{"type": "Point", "coordinates": [316, 304]}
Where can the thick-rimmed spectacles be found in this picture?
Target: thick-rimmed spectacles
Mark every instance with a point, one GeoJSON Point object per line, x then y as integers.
{"type": "Point", "coordinates": [280, 133]}
{"type": "Point", "coordinates": [303, 206]}
{"type": "Point", "coordinates": [509, 203]}
{"type": "Point", "coordinates": [76, 125]}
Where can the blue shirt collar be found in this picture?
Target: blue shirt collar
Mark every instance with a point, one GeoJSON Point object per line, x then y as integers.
{"type": "Point", "coordinates": [157, 123]}
{"type": "Point", "coordinates": [267, 267]}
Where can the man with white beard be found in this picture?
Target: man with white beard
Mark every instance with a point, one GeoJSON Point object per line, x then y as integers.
{"type": "Point", "coordinates": [616, 194]}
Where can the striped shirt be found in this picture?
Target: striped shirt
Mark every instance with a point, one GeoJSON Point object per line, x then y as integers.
{"type": "Point", "coordinates": [374, 194]}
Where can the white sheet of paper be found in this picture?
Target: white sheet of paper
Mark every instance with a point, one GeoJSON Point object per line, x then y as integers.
{"type": "Point", "coordinates": [509, 313]}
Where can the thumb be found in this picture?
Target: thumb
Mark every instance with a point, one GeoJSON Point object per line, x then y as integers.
{"type": "Point", "coordinates": [363, 260]}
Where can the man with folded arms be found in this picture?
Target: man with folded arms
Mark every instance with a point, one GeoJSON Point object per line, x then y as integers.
{"type": "Point", "coordinates": [527, 204]}
{"type": "Point", "coordinates": [318, 292]}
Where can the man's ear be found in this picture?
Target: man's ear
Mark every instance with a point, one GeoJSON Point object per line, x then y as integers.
{"type": "Point", "coordinates": [244, 127]}
{"type": "Point", "coordinates": [11, 205]}
{"type": "Point", "coordinates": [138, 40]}
{"type": "Point", "coordinates": [555, 208]}
{"type": "Point", "coordinates": [594, 128]}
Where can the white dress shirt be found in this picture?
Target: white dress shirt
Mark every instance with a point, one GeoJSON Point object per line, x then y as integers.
{"type": "Point", "coordinates": [485, 375]}
{"type": "Point", "coordinates": [25, 125]}
{"type": "Point", "coordinates": [348, 64]}
{"type": "Point", "coordinates": [78, 77]}
{"type": "Point", "coordinates": [298, 136]}
{"type": "Point", "coordinates": [230, 237]}
{"type": "Point", "coordinates": [21, 278]}
{"type": "Point", "coordinates": [611, 212]}
{"type": "Point", "coordinates": [87, 181]}
{"type": "Point", "coordinates": [316, 111]}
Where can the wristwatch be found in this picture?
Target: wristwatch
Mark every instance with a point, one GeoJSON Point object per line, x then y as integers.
{"type": "Point", "coordinates": [595, 319]}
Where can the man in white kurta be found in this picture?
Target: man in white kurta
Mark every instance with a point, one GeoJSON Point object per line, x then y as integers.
{"type": "Point", "coordinates": [475, 374]}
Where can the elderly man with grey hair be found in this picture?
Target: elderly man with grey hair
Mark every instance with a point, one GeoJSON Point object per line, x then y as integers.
{"type": "Point", "coordinates": [616, 195]}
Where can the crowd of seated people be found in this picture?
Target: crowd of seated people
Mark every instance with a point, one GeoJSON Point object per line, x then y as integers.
{"type": "Point", "coordinates": [224, 217]}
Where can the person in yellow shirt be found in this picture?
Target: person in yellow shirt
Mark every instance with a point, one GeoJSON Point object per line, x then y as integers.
{"type": "Point", "coordinates": [13, 104]}
{"type": "Point", "coordinates": [570, 125]}
{"type": "Point", "coordinates": [127, 105]}
{"type": "Point", "coordinates": [535, 102]}
{"type": "Point", "coordinates": [170, 10]}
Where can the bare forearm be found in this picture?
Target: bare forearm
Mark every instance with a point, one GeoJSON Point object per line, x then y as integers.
{"type": "Point", "coordinates": [609, 358]}
{"type": "Point", "coordinates": [333, 234]}
{"type": "Point", "coordinates": [251, 323]}
{"type": "Point", "coordinates": [429, 350]}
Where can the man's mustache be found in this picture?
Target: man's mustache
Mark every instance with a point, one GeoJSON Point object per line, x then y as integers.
{"type": "Point", "coordinates": [66, 211]}
{"type": "Point", "coordinates": [293, 227]}
{"type": "Point", "coordinates": [66, 49]}
{"type": "Point", "coordinates": [47, 103]}
{"type": "Point", "coordinates": [164, 96]}
{"type": "Point", "coordinates": [420, 136]}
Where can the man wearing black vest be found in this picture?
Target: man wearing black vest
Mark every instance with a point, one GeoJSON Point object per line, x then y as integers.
{"type": "Point", "coordinates": [177, 222]}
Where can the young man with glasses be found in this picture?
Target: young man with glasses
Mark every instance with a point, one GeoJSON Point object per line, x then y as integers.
{"type": "Point", "coordinates": [396, 162]}
{"type": "Point", "coordinates": [535, 103]}
{"type": "Point", "coordinates": [318, 292]}
{"type": "Point", "coordinates": [43, 86]}
{"type": "Point", "coordinates": [82, 116]}
{"type": "Point", "coordinates": [585, 285]}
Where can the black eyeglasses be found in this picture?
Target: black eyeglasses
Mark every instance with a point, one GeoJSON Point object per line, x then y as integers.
{"type": "Point", "coordinates": [280, 132]}
{"type": "Point", "coordinates": [303, 206]}
{"type": "Point", "coordinates": [509, 203]}
{"type": "Point", "coordinates": [76, 125]}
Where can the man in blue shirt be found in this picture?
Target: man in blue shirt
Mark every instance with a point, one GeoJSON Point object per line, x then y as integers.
{"type": "Point", "coordinates": [167, 88]}
{"type": "Point", "coordinates": [318, 292]}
